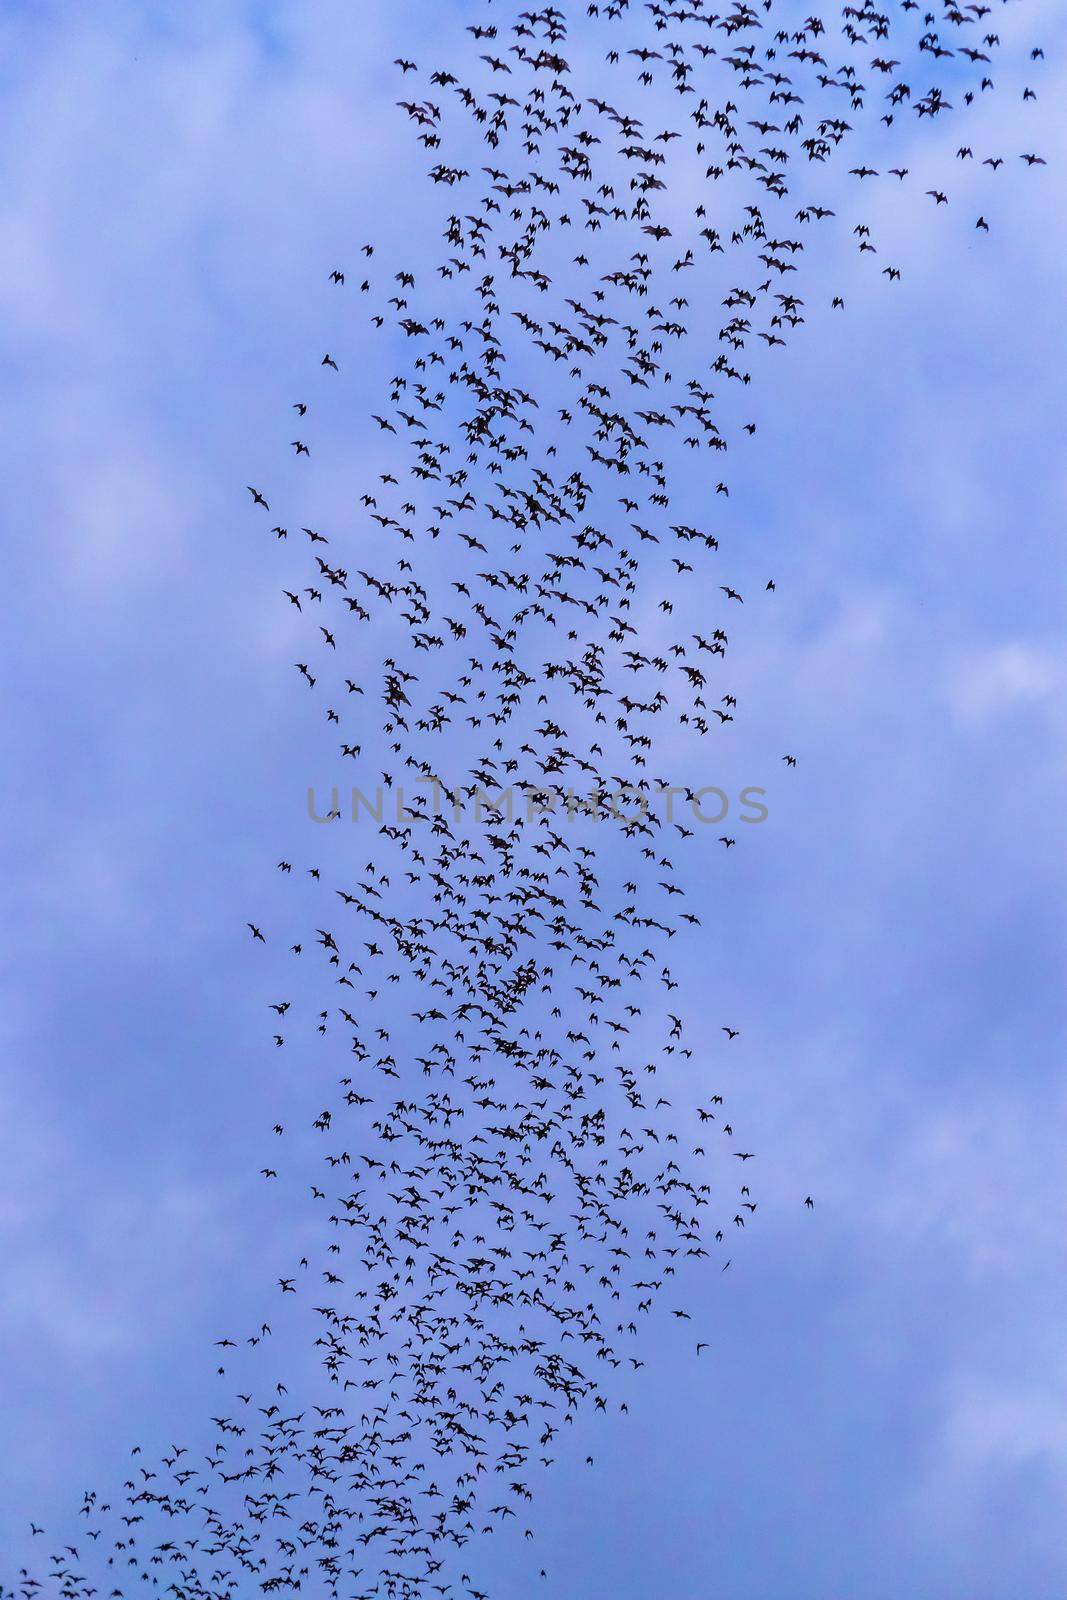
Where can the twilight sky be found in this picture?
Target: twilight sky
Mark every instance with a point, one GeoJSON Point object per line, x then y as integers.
{"type": "Point", "coordinates": [883, 1412]}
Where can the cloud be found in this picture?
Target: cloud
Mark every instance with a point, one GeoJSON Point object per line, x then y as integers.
{"type": "Point", "coordinates": [1003, 679]}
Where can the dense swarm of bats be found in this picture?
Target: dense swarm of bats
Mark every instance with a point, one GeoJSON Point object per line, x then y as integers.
{"type": "Point", "coordinates": [519, 633]}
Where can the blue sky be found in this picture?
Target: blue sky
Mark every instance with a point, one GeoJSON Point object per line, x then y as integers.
{"type": "Point", "coordinates": [882, 1412]}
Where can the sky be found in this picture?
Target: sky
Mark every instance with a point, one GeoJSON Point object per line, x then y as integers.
{"type": "Point", "coordinates": [883, 1411]}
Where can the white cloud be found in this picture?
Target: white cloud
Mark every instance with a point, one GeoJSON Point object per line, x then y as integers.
{"type": "Point", "coordinates": [986, 684]}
